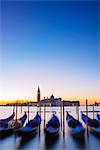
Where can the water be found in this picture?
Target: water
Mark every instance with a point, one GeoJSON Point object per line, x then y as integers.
{"type": "Point", "coordinates": [39, 142]}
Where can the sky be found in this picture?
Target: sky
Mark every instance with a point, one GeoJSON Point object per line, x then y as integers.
{"type": "Point", "coordinates": [53, 45]}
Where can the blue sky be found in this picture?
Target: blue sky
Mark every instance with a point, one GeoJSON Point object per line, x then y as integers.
{"type": "Point", "coordinates": [51, 44]}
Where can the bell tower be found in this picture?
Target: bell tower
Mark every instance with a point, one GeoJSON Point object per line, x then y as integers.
{"type": "Point", "coordinates": [38, 95]}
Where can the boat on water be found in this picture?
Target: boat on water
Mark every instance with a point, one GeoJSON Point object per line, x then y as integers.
{"type": "Point", "coordinates": [3, 122]}
{"type": "Point", "coordinates": [12, 125]}
{"type": "Point", "coordinates": [93, 124]}
{"type": "Point", "coordinates": [98, 117]}
{"type": "Point", "coordinates": [17, 124]}
{"type": "Point", "coordinates": [75, 126]}
{"type": "Point", "coordinates": [52, 127]}
{"type": "Point", "coordinates": [31, 127]}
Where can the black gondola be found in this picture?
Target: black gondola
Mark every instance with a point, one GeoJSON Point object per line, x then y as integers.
{"type": "Point", "coordinates": [75, 126]}
{"type": "Point", "coordinates": [3, 122]}
{"type": "Point", "coordinates": [31, 127]}
{"type": "Point", "coordinates": [93, 124]}
{"type": "Point", "coordinates": [52, 127]}
{"type": "Point", "coordinates": [12, 125]}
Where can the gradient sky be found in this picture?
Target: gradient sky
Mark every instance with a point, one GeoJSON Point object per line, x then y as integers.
{"type": "Point", "coordinates": [51, 44]}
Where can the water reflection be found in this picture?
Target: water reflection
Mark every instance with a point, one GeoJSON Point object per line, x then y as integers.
{"type": "Point", "coordinates": [23, 141]}
{"type": "Point", "coordinates": [51, 142]}
{"type": "Point", "coordinates": [5, 136]}
{"type": "Point", "coordinates": [80, 144]}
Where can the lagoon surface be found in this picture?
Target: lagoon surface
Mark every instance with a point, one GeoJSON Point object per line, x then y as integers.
{"type": "Point", "coordinates": [39, 142]}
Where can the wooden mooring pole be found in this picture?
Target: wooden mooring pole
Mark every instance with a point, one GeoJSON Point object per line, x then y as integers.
{"type": "Point", "coordinates": [44, 116]}
{"type": "Point", "coordinates": [77, 112]}
{"type": "Point", "coordinates": [14, 108]}
{"type": "Point", "coordinates": [40, 116]}
{"type": "Point", "coordinates": [93, 111]}
{"type": "Point", "coordinates": [28, 110]}
{"type": "Point", "coordinates": [21, 108]}
{"type": "Point", "coordinates": [63, 119]}
{"type": "Point", "coordinates": [16, 111]}
{"type": "Point", "coordinates": [40, 107]}
{"type": "Point", "coordinates": [87, 115]}
{"type": "Point", "coordinates": [61, 113]}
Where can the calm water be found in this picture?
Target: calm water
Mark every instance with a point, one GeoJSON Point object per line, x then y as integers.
{"type": "Point", "coordinates": [38, 141]}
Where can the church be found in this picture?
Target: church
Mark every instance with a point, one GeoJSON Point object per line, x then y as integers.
{"type": "Point", "coordinates": [52, 101]}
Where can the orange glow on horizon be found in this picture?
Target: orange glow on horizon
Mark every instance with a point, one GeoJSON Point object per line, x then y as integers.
{"type": "Point", "coordinates": [82, 99]}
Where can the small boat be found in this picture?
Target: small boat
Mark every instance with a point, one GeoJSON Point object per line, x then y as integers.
{"type": "Point", "coordinates": [16, 124]}
{"type": "Point", "coordinates": [3, 122]}
{"type": "Point", "coordinates": [52, 127]}
{"type": "Point", "coordinates": [31, 127]}
{"type": "Point", "coordinates": [76, 128]}
{"type": "Point", "coordinates": [12, 126]}
{"type": "Point", "coordinates": [98, 117]}
{"type": "Point", "coordinates": [93, 125]}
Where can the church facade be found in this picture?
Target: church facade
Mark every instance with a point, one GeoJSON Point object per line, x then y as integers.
{"type": "Point", "coordinates": [52, 101]}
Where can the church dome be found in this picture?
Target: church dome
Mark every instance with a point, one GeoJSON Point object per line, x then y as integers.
{"type": "Point", "coordinates": [51, 97]}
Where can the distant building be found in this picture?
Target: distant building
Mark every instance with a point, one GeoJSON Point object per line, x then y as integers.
{"type": "Point", "coordinates": [71, 103]}
{"type": "Point", "coordinates": [33, 104]}
{"type": "Point", "coordinates": [52, 101]}
{"type": "Point", "coordinates": [97, 104]}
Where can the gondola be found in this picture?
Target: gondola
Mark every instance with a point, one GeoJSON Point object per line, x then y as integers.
{"type": "Point", "coordinates": [3, 122]}
{"type": "Point", "coordinates": [93, 124]}
{"type": "Point", "coordinates": [76, 128]}
{"type": "Point", "coordinates": [17, 124]}
{"type": "Point", "coordinates": [12, 126]}
{"type": "Point", "coordinates": [98, 117]}
{"type": "Point", "coordinates": [52, 127]}
{"type": "Point", "coordinates": [31, 127]}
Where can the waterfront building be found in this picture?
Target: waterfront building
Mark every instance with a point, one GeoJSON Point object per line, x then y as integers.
{"type": "Point", "coordinates": [71, 103]}
{"type": "Point", "coordinates": [52, 101]}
